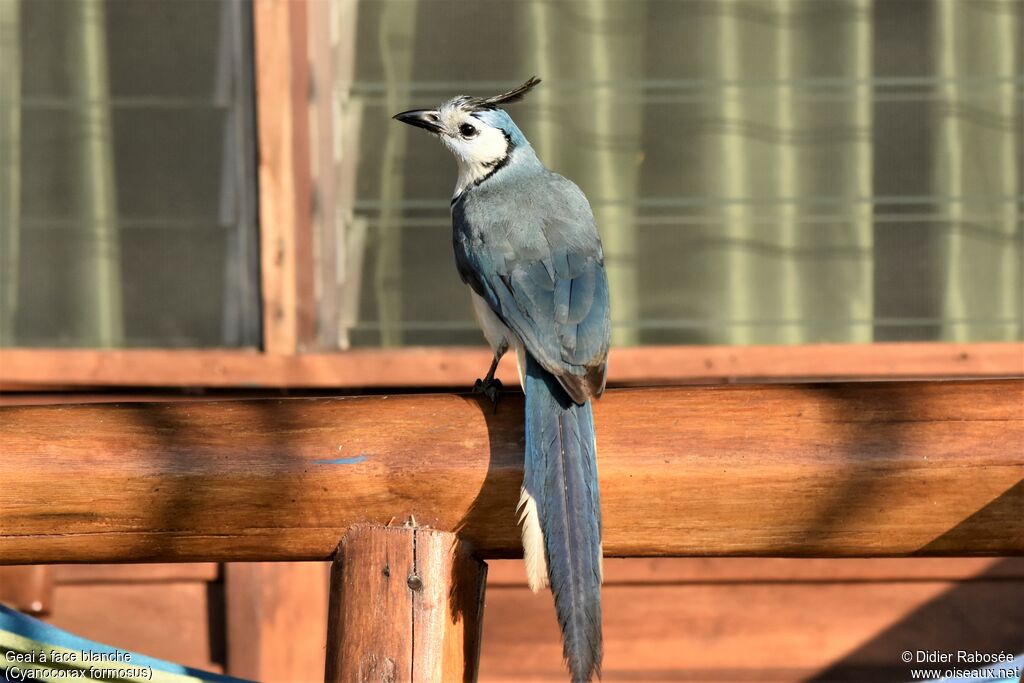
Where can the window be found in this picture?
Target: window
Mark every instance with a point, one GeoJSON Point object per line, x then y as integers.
{"type": "Point", "coordinates": [784, 172]}
{"type": "Point", "coordinates": [764, 173]}
{"type": "Point", "coordinates": [128, 181]}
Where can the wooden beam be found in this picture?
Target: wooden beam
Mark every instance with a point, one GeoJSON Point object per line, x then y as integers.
{"type": "Point", "coordinates": [931, 468]}
{"type": "Point", "coordinates": [92, 574]}
{"type": "Point", "coordinates": [282, 118]}
{"type": "Point", "coordinates": [459, 366]}
{"type": "Point", "coordinates": [406, 604]}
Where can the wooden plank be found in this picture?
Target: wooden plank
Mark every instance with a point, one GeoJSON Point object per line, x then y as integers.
{"type": "Point", "coordinates": [406, 604]}
{"type": "Point", "coordinates": [302, 170]}
{"type": "Point", "coordinates": [864, 469]}
{"type": "Point", "coordinates": [276, 620]}
{"type": "Point", "coordinates": [459, 366]}
{"type": "Point", "coordinates": [756, 632]}
{"type": "Point", "coordinates": [75, 397]}
{"type": "Point", "coordinates": [69, 574]}
{"type": "Point", "coordinates": [916, 360]}
{"type": "Point", "coordinates": [27, 588]}
{"type": "Point", "coordinates": [723, 570]}
{"type": "Point", "coordinates": [282, 83]}
{"type": "Point", "coordinates": [178, 621]}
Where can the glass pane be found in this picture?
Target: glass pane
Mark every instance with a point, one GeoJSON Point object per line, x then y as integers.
{"type": "Point", "coordinates": [128, 197]}
{"type": "Point", "coordinates": [776, 172]}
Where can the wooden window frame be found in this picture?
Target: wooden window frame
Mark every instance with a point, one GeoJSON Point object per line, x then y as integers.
{"type": "Point", "coordinates": [287, 296]}
{"type": "Point", "coordinates": [31, 369]}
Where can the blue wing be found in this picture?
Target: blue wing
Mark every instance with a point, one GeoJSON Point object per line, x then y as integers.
{"type": "Point", "coordinates": [530, 248]}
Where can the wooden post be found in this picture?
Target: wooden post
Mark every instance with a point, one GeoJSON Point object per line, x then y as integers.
{"type": "Point", "coordinates": [406, 604]}
{"type": "Point", "coordinates": [28, 588]}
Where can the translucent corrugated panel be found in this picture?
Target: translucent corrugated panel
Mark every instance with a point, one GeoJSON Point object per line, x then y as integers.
{"type": "Point", "coordinates": [766, 172]}
{"type": "Point", "coordinates": [127, 147]}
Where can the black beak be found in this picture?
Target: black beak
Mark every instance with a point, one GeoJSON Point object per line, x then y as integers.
{"type": "Point", "coordinates": [421, 118]}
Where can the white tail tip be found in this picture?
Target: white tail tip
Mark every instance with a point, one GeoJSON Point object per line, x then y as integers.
{"type": "Point", "coordinates": [533, 543]}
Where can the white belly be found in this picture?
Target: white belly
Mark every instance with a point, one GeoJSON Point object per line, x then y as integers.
{"type": "Point", "coordinates": [497, 333]}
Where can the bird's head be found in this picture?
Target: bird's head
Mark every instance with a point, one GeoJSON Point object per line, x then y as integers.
{"type": "Point", "coordinates": [481, 135]}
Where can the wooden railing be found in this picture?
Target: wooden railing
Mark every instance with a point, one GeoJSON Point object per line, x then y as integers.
{"type": "Point", "coordinates": [861, 469]}
{"type": "Point", "coordinates": [828, 470]}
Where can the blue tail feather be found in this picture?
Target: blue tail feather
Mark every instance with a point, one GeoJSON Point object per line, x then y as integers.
{"type": "Point", "coordinates": [561, 476]}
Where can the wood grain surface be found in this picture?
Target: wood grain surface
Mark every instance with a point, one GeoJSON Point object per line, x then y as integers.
{"type": "Point", "coordinates": [867, 469]}
{"type": "Point", "coordinates": [178, 621]}
{"type": "Point", "coordinates": [821, 631]}
{"type": "Point", "coordinates": [406, 604]}
{"type": "Point", "coordinates": [666, 619]}
{"type": "Point", "coordinates": [275, 616]}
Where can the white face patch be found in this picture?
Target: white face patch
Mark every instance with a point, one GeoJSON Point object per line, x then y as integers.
{"type": "Point", "coordinates": [477, 147]}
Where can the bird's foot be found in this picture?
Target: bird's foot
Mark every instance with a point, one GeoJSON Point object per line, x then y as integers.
{"type": "Point", "coordinates": [491, 388]}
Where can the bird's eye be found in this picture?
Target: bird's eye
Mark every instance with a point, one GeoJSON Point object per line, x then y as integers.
{"type": "Point", "coordinates": [468, 130]}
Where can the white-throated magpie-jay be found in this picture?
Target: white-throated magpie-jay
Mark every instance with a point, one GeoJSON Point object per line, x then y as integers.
{"type": "Point", "coordinates": [527, 245]}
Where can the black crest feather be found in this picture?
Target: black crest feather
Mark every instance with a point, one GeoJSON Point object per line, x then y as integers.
{"type": "Point", "coordinates": [485, 103]}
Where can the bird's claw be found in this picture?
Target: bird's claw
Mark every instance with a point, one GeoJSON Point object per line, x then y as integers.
{"type": "Point", "coordinates": [490, 388]}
